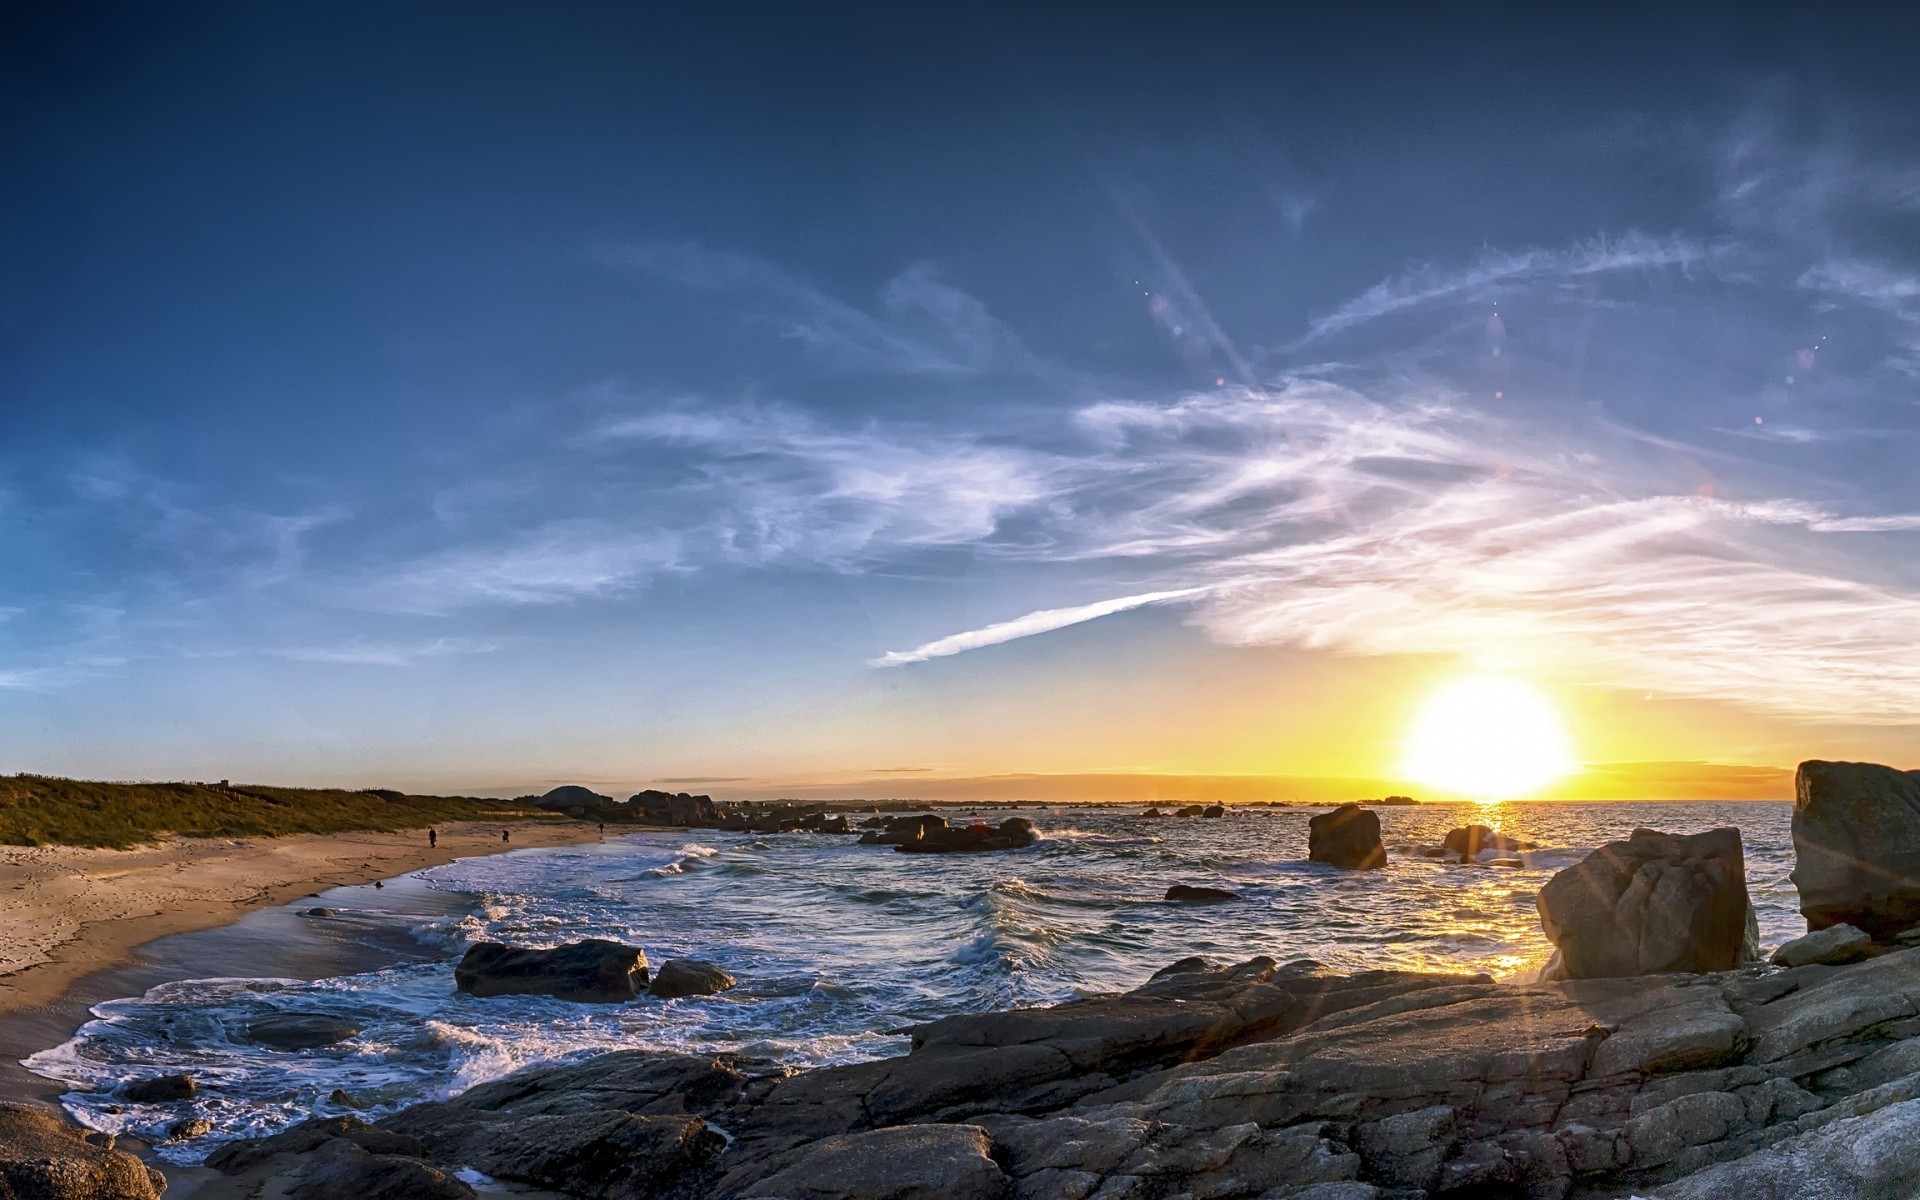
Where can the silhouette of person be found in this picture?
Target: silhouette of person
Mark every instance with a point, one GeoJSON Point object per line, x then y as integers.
{"type": "Point", "coordinates": [505, 836]}
{"type": "Point", "coordinates": [603, 829]}
{"type": "Point", "coordinates": [433, 838]}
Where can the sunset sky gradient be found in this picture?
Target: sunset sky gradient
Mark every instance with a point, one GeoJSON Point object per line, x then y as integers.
{"type": "Point", "coordinates": [879, 400]}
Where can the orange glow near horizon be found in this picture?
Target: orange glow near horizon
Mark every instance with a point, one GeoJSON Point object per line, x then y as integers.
{"type": "Point", "coordinates": [1488, 737]}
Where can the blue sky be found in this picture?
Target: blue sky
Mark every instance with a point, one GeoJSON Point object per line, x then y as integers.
{"type": "Point", "coordinates": [484, 397]}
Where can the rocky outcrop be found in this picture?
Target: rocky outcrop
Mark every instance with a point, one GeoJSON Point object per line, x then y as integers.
{"type": "Point", "coordinates": [1259, 1081]}
{"type": "Point", "coordinates": [595, 971]}
{"type": "Point", "coordinates": [932, 835]}
{"type": "Point", "coordinates": [1188, 893]}
{"type": "Point", "coordinates": [300, 1031]}
{"type": "Point", "coordinates": [572, 796]}
{"type": "Point", "coordinates": [1469, 841]}
{"type": "Point", "coordinates": [689, 977]}
{"type": "Point", "coordinates": [1833, 945]}
{"type": "Point", "coordinates": [1654, 903]}
{"type": "Point", "coordinates": [1349, 836]}
{"type": "Point", "coordinates": [1856, 841]}
{"type": "Point", "coordinates": [44, 1158]}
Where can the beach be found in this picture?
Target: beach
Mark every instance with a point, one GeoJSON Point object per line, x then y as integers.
{"type": "Point", "coordinates": [74, 913]}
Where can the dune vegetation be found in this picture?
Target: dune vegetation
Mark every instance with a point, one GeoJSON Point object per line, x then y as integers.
{"type": "Point", "coordinates": [38, 810]}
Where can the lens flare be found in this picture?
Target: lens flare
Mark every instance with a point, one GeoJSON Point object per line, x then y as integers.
{"type": "Point", "coordinates": [1489, 737]}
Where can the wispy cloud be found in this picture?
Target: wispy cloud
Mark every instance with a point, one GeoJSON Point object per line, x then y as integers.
{"type": "Point", "coordinates": [558, 562]}
{"type": "Point", "coordinates": [383, 654]}
{"type": "Point", "coordinates": [1044, 621]}
{"type": "Point", "coordinates": [1315, 515]}
{"type": "Point", "coordinates": [1431, 284]}
{"type": "Point", "coordinates": [921, 325]}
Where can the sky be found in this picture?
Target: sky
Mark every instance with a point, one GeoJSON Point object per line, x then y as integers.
{"type": "Point", "coordinates": [908, 400]}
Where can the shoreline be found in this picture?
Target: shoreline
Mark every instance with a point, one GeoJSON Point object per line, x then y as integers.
{"type": "Point", "coordinates": [76, 918]}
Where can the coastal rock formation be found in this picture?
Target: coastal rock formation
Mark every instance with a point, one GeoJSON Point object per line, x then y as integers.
{"type": "Point", "coordinates": [689, 977]}
{"type": "Point", "coordinates": [300, 1031]}
{"type": "Point", "coordinates": [1468, 841]}
{"type": "Point", "coordinates": [595, 971]}
{"type": "Point", "coordinates": [1349, 836]}
{"type": "Point", "coordinates": [1214, 810]}
{"type": "Point", "coordinates": [1194, 894]}
{"type": "Point", "coordinates": [1832, 945]}
{"type": "Point", "coordinates": [44, 1158]}
{"type": "Point", "coordinates": [1654, 903]}
{"type": "Point", "coordinates": [932, 835]}
{"type": "Point", "coordinates": [1256, 1081]}
{"type": "Point", "coordinates": [1856, 842]}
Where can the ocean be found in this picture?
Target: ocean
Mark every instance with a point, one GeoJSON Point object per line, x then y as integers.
{"type": "Point", "coordinates": [838, 947]}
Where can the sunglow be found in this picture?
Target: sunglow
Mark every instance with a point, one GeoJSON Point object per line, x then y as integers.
{"type": "Point", "coordinates": [1489, 737]}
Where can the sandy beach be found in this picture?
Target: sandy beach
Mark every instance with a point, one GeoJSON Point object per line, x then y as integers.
{"type": "Point", "coordinates": [71, 912]}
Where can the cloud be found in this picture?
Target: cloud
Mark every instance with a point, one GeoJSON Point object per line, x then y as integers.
{"type": "Point", "coordinates": [383, 654]}
{"type": "Point", "coordinates": [1430, 285]}
{"type": "Point", "coordinates": [559, 562]}
{"type": "Point", "coordinates": [1044, 621]}
{"type": "Point", "coordinates": [922, 325]}
{"type": "Point", "coordinates": [1316, 515]}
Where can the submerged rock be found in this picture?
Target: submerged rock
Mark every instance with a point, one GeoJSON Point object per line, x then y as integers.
{"type": "Point", "coordinates": [1468, 841]}
{"type": "Point", "coordinates": [161, 1089]}
{"type": "Point", "coordinates": [1856, 841]}
{"type": "Point", "coordinates": [1349, 836]}
{"type": "Point", "coordinates": [1193, 894]}
{"type": "Point", "coordinates": [1834, 944]}
{"type": "Point", "coordinates": [1654, 903]}
{"type": "Point", "coordinates": [44, 1158]}
{"type": "Point", "coordinates": [594, 971]}
{"type": "Point", "coordinates": [689, 977]}
{"type": "Point", "coordinates": [300, 1031]}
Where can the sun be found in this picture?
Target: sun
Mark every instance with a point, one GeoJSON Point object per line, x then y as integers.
{"type": "Point", "coordinates": [1488, 736]}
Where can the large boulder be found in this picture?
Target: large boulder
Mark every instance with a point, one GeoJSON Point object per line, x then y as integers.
{"type": "Point", "coordinates": [161, 1089]}
{"type": "Point", "coordinates": [693, 810]}
{"type": "Point", "coordinates": [595, 971]}
{"type": "Point", "coordinates": [1856, 839]}
{"type": "Point", "coordinates": [1655, 903]}
{"type": "Point", "coordinates": [1349, 836]}
{"type": "Point", "coordinates": [44, 1158]}
{"type": "Point", "coordinates": [1011, 834]}
{"type": "Point", "coordinates": [689, 977]}
{"type": "Point", "coordinates": [1831, 946]}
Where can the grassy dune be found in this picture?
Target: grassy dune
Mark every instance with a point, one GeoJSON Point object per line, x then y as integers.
{"type": "Point", "coordinates": [37, 810]}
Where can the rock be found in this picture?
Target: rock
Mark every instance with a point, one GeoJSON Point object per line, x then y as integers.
{"type": "Point", "coordinates": [612, 1155]}
{"type": "Point", "coordinates": [44, 1158]}
{"type": "Point", "coordinates": [898, 831]}
{"type": "Point", "coordinates": [187, 1128]}
{"type": "Point", "coordinates": [317, 912]}
{"type": "Point", "coordinates": [1349, 836]}
{"type": "Point", "coordinates": [342, 1170]}
{"type": "Point", "coordinates": [1214, 810]}
{"type": "Point", "coordinates": [693, 810]}
{"type": "Point", "coordinates": [300, 1031]}
{"type": "Point", "coordinates": [1153, 814]}
{"type": "Point", "coordinates": [1192, 894]}
{"type": "Point", "coordinates": [1653, 903]}
{"type": "Point", "coordinates": [1467, 842]}
{"type": "Point", "coordinates": [1014, 833]}
{"type": "Point", "coordinates": [689, 977]}
{"type": "Point", "coordinates": [595, 971]}
{"type": "Point", "coordinates": [572, 795]}
{"type": "Point", "coordinates": [1834, 944]}
{"type": "Point", "coordinates": [914, 1162]}
{"type": "Point", "coordinates": [1873, 1157]}
{"type": "Point", "coordinates": [237, 1157]}
{"type": "Point", "coordinates": [1856, 842]}
{"type": "Point", "coordinates": [161, 1089]}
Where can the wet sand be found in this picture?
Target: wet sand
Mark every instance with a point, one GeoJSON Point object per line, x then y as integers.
{"type": "Point", "coordinates": [79, 926]}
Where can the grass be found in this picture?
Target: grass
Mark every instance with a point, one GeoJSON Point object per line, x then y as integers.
{"type": "Point", "coordinates": [38, 810]}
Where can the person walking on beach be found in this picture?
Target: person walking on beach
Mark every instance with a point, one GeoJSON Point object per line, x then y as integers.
{"type": "Point", "coordinates": [505, 836]}
{"type": "Point", "coordinates": [433, 838]}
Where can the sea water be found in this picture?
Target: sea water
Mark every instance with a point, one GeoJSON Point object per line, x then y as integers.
{"type": "Point", "coordinates": [840, 947]}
